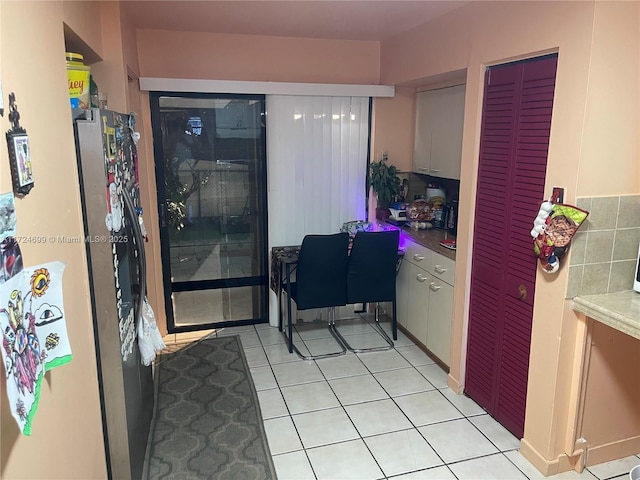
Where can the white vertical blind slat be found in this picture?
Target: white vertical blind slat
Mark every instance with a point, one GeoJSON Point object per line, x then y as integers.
{"type": "Point", "coordinates": [316, 166]}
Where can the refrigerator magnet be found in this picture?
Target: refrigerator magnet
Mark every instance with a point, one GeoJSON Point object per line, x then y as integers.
{"type": "Point", "coordinates": [19, 152]}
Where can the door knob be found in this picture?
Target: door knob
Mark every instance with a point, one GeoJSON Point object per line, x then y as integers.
{"type": "Point", "coordinates": [522, 292]}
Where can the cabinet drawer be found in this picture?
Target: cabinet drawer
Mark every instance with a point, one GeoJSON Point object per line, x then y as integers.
{"type": "Point", "coordinates": [441, 267]}
{"type": "Point", "coordinates": [417, 254]}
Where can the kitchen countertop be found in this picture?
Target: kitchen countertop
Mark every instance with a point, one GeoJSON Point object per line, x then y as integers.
{"type": "Point", "coordinates": [619, 310]}
{"type": "Point", "coordinates": [430, 238]}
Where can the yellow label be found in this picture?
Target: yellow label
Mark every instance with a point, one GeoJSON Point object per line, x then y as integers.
{"type": "Point", "coordinates": [78, 81]}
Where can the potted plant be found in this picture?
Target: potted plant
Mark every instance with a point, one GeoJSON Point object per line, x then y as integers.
{"type": "Point", "coordinates": [386, 183]}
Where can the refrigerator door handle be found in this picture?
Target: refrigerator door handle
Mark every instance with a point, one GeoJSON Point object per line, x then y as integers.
{"type": "Point", "coordinates": [142, 264]}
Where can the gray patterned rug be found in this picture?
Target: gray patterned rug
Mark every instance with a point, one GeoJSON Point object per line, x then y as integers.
{"type": "Point", "coordinates": [207, 422]}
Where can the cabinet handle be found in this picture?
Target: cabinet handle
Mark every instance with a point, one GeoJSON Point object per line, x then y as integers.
{"type": "Point", "coordinates": [417, 257]}
{"type": "Point", "coordinates": [421, 278]}
{"type": "Point", "coordinates": [423, 169]}
{"type": "Point", "coordinates": [439, 269]}
{"type": "Point", "coordinates": [434, 170]}
{"type": "Point", "coordinates": [434, 287]}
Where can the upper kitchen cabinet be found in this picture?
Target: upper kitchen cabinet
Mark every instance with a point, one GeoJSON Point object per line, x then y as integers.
{"type": "Point", "coordinates": [438, 139]}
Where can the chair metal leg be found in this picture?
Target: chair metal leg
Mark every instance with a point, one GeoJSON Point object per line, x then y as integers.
{"type": "Point", "coordinates": [289, 331]}
{"type": "Point", "coordinates": [394, 322]}
{"type": "Point", "coordinates": [376, 326]}
{"type": "Point", "coordinates": [293, 348]}
{"type": "Point", "coordinates": [280, 310]}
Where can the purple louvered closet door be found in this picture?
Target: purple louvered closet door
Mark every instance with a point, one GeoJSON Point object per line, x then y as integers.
{"type": "Point", "coordinates": [516, 120]}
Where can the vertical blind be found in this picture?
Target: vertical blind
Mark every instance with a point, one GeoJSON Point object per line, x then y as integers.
{"type": "Point", "coordinates": [316, 166]}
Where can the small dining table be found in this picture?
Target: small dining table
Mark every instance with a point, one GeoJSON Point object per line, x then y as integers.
{"type": "Point", "coordinates": [280, 256]}
{"type": "Point", "coordinates": [283, 255]}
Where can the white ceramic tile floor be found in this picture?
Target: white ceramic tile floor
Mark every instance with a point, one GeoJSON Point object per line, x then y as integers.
{"type": "Point", "coordinates": [357, 389]}
{"type": "Point", "coordinates": [427, 407]}
{"type": "Point", "coordinates": [308, 397]}
{"type": "Point", "coordinates": [324, 427]}
{"type": "Point", "coordinates": [379, 415]}
{"type": "Point", "coordinates": [403, 381]}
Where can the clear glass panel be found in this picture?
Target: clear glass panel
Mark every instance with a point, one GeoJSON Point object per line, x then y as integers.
{"type": "Point", "coordinates": [212, 172]}
{"type": "Point", "coordinates": [214, 182]}
{"type": "Point", "coordinates": [221, 305]}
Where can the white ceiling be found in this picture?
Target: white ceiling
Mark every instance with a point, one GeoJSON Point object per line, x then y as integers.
{"type": "Point", "coordinates": [370, 20]}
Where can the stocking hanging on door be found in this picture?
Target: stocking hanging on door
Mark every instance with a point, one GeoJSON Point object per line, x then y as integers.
{"type": "Point", "coordinates": [553, 229]}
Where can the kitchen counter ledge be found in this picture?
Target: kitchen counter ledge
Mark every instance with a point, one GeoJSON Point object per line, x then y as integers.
{"type": "Point", "coordinates": [619, 310]}
{"type": "Point", "coordinates": [431, 239]}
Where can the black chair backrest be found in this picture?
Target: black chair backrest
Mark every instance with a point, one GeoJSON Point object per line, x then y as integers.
{"type": "Point", "coordinates": [371, 271]}
{"type": "Point", "coordinates": [321, 274]}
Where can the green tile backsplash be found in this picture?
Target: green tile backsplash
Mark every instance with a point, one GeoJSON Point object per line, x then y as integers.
{"type": "Point", "coordinates": [603, 253]}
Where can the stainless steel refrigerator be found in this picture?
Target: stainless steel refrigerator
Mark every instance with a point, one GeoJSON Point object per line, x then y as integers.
{"type": "Point", "coordinates": [107, 166]}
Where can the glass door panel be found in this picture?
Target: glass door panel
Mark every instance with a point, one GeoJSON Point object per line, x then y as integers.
{"type": "Point", "coordinates": [211, 178]}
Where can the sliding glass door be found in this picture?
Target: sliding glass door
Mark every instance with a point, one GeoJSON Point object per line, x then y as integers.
{"type": "Point", "coordinates": [210, 162]}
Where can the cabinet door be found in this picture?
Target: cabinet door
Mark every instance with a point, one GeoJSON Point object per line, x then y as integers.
{"type": "Point", "coordinates": [439, 319]}
{"type": "Point", "coordinates": [422, 144]}
{"type": "Point", "coordinates": [514, 140]}
{"type": "Point", "coordinates": [438, 136]}
{"type": "Point", "coordinates": [403, 283]}
{"type": "Point", "coordinates": [446, 133]}
{"type": "Point", "coordinates": [418, 302]}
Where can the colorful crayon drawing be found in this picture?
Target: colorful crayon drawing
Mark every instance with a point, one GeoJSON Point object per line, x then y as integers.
{"type": "Point", "coordinates": [34, 335]}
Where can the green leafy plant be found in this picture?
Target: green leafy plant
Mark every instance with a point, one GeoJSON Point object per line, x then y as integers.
{"type": "Point", "coordinates": [385, 181]}
{"type": "Point", "coordinates": [176, 172]}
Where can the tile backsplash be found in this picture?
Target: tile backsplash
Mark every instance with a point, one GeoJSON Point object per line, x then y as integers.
{"type": "Point", "coordinates": [603, 252]}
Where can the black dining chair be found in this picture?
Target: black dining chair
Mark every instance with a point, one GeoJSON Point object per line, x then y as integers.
{"type": "Point", "coordinates": [320, 282]}
{"type": "Point", "coordinates": [371, 278]}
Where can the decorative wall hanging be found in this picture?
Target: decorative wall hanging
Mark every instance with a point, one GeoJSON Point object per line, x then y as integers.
{"type": "Point", "coordinates": [34, 336]}
{"type": "Point", "coordinates": [19, 152]}
{"type": "Point", "coordinates": [553, 229]}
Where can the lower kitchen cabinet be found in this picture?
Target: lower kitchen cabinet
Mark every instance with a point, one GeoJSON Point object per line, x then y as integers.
{"type": "Point", "coordinates": [439, 319]}
{"type": "Point", "coordinates": [403, 281]}
{"type": "Point", "coordinates": [417, 302]}
{"type": "Point", "coordinates": [425, 298]}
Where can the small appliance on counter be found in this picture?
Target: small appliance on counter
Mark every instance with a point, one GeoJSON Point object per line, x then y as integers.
{"type": "Point", "coordinates": [398, 212]}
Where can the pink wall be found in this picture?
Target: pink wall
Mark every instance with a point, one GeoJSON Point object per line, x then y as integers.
{"type": "Point", "coordinates": [67, 437]}
{"type": "Point", "coordinates": [394, 128]}
{"type": "Point", "coordinates": [610, 152]}
{"type": "Point", "coordinates": [81, 17]}
{"type": "Point", "coordinates": [595, 124]}
{"type": "Point", "coordinates": [253, 57]}
{"type": "Point", "coordinates": [129, 44]}
{"type": "Point", "coordinates": [611, 385]}
{"type": "Point", "coordinates": [237, 57]}
{"type": "Point", "coordinates": [598, 48]}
